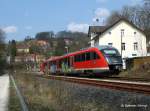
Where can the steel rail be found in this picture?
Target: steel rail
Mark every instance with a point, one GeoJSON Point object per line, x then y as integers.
{"type": "Point", "coordinates": [130, 86]}
{"type": "Point", "coordinates": [129, 79]}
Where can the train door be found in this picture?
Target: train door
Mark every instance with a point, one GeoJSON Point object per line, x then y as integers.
{"type": "Point", "coordinates": [94, 59]}
{"type": "Point", "coordinates": [71, 61]}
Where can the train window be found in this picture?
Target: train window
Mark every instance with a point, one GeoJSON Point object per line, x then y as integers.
{"type": "Point", "coordinates": [94, 55]}
{"type": "Point", "coordinates": [110, 52]}
{"type": "Point", "coordinates": [83, 57]}
{"type": "Point", "coordinates": [88, 56]}
{"type": "Point", "coordinates": [77, 58]}
{"type": "Point", "coordinates": [80, 58]}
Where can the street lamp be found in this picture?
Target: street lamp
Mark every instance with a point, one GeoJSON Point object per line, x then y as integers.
{"type": "Point", "coordinates": [66, 49]}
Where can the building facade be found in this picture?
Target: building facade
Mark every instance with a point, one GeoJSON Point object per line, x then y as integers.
{"type": "Point", "coordinates": [123, 35]}
{"type": "Point", "coordinates": [22, 49]}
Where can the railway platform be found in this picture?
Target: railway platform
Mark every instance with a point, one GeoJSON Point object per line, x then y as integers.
{"type": "Point", "coordinates": [4, 92]}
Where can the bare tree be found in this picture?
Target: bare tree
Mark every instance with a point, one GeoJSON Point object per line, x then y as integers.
{"type": "Point", "coordinates": [146, 14]}
{"type": "Point", "coordinates": [2, 51]}
{"type": "Point", "coordinates": [115, 16]}
{"type": "Point", "coordinates": [130, 13]}
{"type": "Point", "coordinates": [138, 14]}
{"type": "Point", "coordinates": [2, 38]}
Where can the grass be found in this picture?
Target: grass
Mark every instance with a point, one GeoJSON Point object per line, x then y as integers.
{"type": "Point", "coordinates": [36, 96]}
{"type": "Point", "coordinates": [45, 95]}
{"type": "Point", "coordinates": [136, 73]}
{"type": "Point", "coordinates": [14, 103]}
{"type": "Point", "coordinates": [53, 95]}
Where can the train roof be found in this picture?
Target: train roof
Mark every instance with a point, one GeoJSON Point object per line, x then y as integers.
{"type": "Point", "coordinates": [101, 47]}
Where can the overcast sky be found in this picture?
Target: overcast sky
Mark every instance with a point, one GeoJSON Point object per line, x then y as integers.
{"type": "Point", "coordinates": [19, 18]}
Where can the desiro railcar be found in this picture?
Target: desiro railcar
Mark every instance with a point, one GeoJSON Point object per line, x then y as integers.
{"type": "Point", "coordinates": [90, 60]}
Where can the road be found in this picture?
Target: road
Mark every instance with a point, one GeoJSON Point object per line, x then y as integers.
{"type": "Point", "coordinates": [4, 92]}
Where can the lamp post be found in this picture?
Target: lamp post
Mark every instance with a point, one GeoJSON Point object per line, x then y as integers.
{"type": "Point", "coordinates": [66, 47]}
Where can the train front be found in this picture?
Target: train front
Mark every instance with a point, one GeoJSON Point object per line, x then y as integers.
{"type": "Point", "coordinates": [113, 59]}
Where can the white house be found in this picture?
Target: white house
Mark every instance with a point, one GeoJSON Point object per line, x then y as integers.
{"type": "Point", "coordinates": [123, 35]}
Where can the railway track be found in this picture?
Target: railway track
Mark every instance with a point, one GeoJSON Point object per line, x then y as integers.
{"type": "Point", "coordinates": [124, 85]}
{"type": "Point", "coordinates": [129, 79]}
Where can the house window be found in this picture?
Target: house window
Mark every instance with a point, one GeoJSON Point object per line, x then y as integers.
{"type": "Point", "coordinates": [122, 32]}
{"type": "Point", "coordinates": [134, 54]}
{"type": "Point", "coordinates": [110, 44]}
{"type": "Point", "coordinates": [135, 46]}
{"type": "Point", "coordinates": [96, 41]}
{"type": "Point", "coordinates": [123, 47]}
{"type": "Point", "coordinates": [134, 33]}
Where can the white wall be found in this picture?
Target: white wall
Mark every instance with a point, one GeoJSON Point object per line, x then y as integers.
{"type": "Point", "coordinates": [92, 41]}
{"type": "Point", "coordinates": [129, 38]}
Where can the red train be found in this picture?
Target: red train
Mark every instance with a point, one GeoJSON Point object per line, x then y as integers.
{"type": "Point", "coordinates": [90, 60]}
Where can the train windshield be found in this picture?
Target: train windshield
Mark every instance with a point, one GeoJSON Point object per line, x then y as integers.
{"type": "Point", "coordinates": [110, 52]}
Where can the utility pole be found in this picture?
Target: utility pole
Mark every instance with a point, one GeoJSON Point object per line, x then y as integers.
{"type": "Point", "coordinates": [121, 40]}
